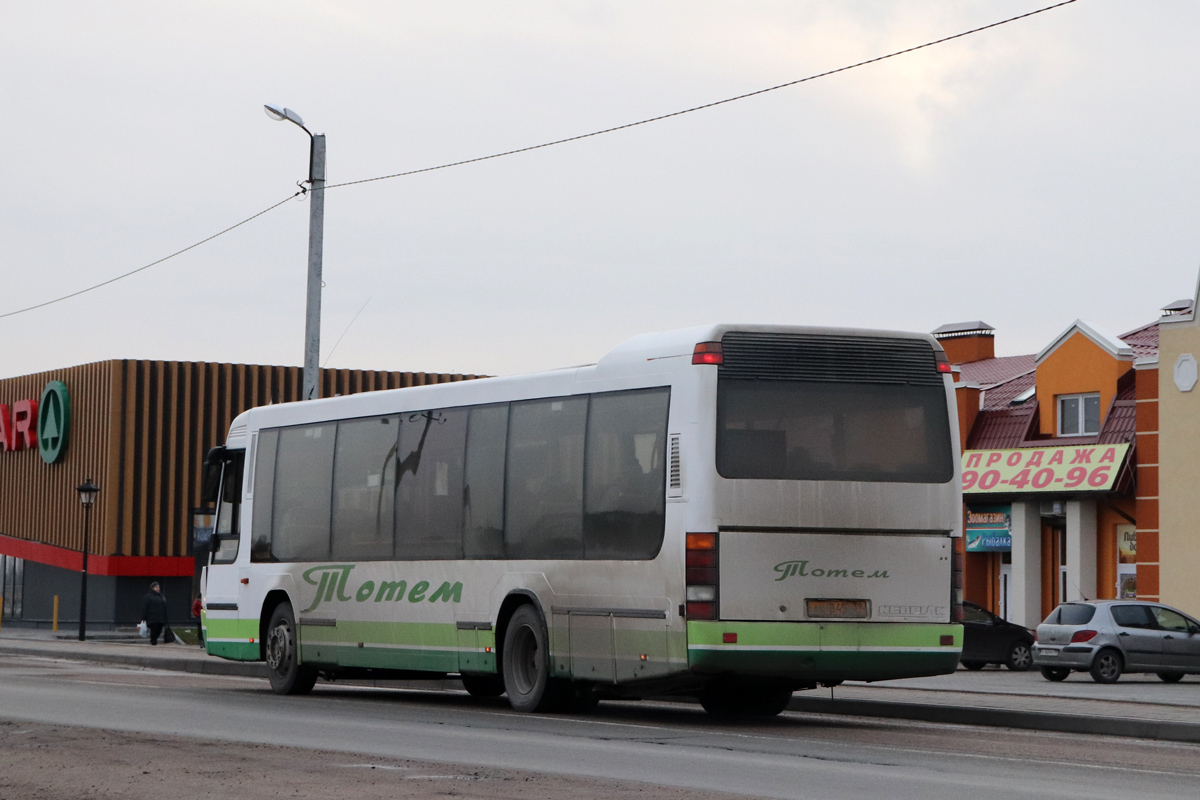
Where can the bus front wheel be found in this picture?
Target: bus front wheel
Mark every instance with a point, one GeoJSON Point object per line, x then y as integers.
{"type": "Point", "coordinates": [525, 663]}
{"type": "Point", "coordinates": [286, 673]}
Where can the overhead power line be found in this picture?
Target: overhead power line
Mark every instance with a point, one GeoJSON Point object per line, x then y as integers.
{"type": "Point", "coordinates": [152, 263]}
{"type": "Point", "coordinates": [543, 145]}
{"type": "Point", "coordinates": [713, 104]}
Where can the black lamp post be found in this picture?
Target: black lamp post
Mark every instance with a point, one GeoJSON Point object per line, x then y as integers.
{"type": "Point", "coordinates": [87, 495]}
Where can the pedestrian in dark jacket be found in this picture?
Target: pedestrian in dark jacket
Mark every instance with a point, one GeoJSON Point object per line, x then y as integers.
{"type": "Point", "coordinates": [154, 611]}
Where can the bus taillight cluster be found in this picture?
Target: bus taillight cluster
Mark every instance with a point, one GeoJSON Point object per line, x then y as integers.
{"type": "Point", "coordinates": [701, 576]}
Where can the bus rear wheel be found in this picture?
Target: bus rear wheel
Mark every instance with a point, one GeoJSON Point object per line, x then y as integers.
{"type": "Point", "coordinates": [725, 701]}
{"type": "Point", "coordinates": [286, 673]}
{"type": "Point", "coordinates": [525, 664]}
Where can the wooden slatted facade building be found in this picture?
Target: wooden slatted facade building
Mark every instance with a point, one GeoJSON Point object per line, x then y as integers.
{"type": "Point", "coordinates": [139, 430]}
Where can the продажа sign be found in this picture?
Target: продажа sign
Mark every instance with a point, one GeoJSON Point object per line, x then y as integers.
{"type": "Point", "coordinates": [1089, 468]}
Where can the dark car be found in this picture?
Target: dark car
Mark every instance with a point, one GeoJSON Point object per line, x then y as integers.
{"type": "Point", "coordinates": [988, 639]}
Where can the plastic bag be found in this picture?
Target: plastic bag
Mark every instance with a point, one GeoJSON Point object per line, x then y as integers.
{"type": "Point", "coordinates": [143, 630]}
{"type": "Point", "coordinates": [168, 635]}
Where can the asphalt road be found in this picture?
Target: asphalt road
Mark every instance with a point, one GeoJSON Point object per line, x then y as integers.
{"type": "Point", "coordinates": [793, 756]}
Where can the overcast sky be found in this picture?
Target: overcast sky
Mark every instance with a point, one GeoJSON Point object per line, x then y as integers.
{"type": "Point", "coordinates": [1027, 176]}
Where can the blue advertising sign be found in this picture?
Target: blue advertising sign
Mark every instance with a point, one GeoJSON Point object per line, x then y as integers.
{"type": "Point", "coordinates": [989, 529]}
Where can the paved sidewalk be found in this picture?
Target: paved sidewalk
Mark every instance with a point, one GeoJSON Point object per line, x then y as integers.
{"type": "Point", "coordinates": [110, 648]}
{"type": "Point", "coordinates": [1137, 706]}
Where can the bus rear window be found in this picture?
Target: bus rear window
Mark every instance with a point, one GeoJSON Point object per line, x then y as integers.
{"type": "Point", "coordinates": [832, 431]}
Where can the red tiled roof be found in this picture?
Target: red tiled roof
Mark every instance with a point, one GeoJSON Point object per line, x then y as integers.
{"type": "Point", "coordinates": [1002, 429]}
{"type": "Point", "coordinates": [1121, 424]}
{"type": "Point", "coordinates": [1143, 340]}
{"type": "Point", "coordinates": [1000, 396]}
{"type": "Point", "coordinates": [991, 371]}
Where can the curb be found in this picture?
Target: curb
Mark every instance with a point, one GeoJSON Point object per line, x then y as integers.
{"type": "Point", "coordinates": [1163, 730]}
{"type": "Point", "coordinates": [183, 663]}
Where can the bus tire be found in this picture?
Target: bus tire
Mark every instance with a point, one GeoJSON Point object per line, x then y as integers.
{"type": "Point", "coordinates": [1055, 673]}
{"type": "Point", "coordinates": [286, 673]}
{"type": "Point", "coordinates": [525, 664]}
{"type": "Point", "coordinates": [483, 685]}
{"type": "Point", "coordinates": [724, 701]}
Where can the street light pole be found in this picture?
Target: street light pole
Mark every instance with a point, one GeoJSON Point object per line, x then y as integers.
{"type": "Point", "coordinates": [87, 495]}
{"type": "Point", "coordinates": [316, 240]}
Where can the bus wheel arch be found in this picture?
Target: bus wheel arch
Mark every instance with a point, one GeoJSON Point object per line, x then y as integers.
{"type": "Point", "coordinates": [282, 654]}
{"type": "Point", "coordinates": [525, 661]}
{"type": "Point", "coordinates": [273, 600]}
{"type": "Point", "coordinates": [512, 602]}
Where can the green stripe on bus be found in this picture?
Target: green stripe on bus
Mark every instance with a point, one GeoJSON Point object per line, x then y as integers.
{"type": "Point", "coordinates": [236, 651]}
{"type": "Point", "coordinates": [842, 634]}
{"type": "Point", "coordinates": [424, 646]}
{"type": "Point", "coordinates": [824, 651]}
{"type": "Point", "coordinates": [425, 634]}
{"type": "Point", "coordinates": [818, 666]}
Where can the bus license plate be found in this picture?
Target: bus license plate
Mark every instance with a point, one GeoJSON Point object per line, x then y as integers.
{"type": "Point", "coordinates": [837, 609]}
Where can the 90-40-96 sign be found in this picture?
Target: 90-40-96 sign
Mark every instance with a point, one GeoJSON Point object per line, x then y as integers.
{"type": "Point", "coordinates": [1089, 468]}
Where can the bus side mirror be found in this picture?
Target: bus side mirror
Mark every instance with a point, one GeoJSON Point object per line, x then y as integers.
{"type": "Point", "coordinates": [212, 475]}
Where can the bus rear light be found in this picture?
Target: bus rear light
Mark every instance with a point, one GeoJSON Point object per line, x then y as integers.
{"type": "Point", "coordinates": [943, 363]}
{"type": "Point", "coordinates": [701, 576]}
{"type": "Point", "coordinates": [729, 638]}
{"type": "Point", "coordinates": [1083, 636]}
{"type": "Point", "coordinates": [708, 353]}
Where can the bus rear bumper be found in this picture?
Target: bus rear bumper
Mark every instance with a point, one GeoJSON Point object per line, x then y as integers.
{"type": "Point", "coordinates": [825, 651]}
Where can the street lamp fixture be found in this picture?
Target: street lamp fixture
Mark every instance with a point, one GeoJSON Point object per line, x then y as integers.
{"type": "Point", "coordinates": [316, 239]}
{"type": "Point", "coordinates": [87, 496]}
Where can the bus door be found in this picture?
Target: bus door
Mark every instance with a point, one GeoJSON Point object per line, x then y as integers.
{"type": "Point", "coordinates": [226, 635]}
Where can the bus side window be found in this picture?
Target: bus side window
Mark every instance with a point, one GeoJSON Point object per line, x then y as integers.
{"type": "Point", "coordinates": [264, 493]}
{"type": "Point", "coordinates": [624, 516]}
{"type": "Point", "coordinates": [303, 485]}
{"type": "Point", "coordinates": [483, 482]}
{"type": "Point", "coordinates": [229, 508]}
{"type": "Point", "coordinates": [364, 480]}
{"type": "Point", "coordinates": [429, 484]}
{"type": "Point", "coordinates": [544, 488]}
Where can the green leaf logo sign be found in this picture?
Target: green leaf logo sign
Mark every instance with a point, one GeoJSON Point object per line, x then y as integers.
{"type": "Point", "coordinates": [54, 422]}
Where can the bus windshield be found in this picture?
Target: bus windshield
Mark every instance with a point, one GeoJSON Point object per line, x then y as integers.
{"type": "Point", "coordinates": [821, 430]}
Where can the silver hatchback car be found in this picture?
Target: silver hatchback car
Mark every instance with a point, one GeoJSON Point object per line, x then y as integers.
{"type": "Point", "coordinates": [1109, 637]}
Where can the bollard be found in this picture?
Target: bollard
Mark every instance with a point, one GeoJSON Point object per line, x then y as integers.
{"type": "Point", "coordinates": [56, 613]}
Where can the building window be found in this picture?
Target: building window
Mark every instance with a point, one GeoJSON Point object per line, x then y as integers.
{"type": "Point", "coordinates": [1078, 414]}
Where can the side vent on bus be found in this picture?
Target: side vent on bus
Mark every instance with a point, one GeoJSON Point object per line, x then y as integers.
{"type": "Point", "coordinates": [675, 478]}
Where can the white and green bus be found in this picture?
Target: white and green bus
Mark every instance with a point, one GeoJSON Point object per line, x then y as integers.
{"type": "Point", "coordinates": [734, 512]}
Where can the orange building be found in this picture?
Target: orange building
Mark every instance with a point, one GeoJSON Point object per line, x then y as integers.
{"type": "Point", "coordinates": [1048, 466]}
